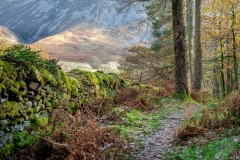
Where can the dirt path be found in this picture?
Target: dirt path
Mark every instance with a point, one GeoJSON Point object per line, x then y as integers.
{"type": "Point", "coordinates": [157, 145]}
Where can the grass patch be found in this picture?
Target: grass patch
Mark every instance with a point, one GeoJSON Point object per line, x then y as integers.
{"type": "Point", "coordinates": [136, 125]}
{"type": "Point", "coordinates": [220, 149]}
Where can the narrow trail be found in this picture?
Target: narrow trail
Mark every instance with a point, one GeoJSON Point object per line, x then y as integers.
{"type": "Point", "coordinates": [158, 144]}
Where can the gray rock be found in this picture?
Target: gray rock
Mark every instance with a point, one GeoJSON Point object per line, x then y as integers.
{"type": "Point", "coordinates": [34, 103]}
{"type": "Point", "coordinates": [4, 122]}
{"type": "Point", "coordinates": [4, 100]}
{"type": "Point", "coordinates": [33, 86]}
{"type": "Point", "coordinates": [30, 94]}
{"type": "Point", "coordinates": [1, 134]}
{"type": "Point", "coordinates": [26, 124]}
{"type": "Point", "coordinates": [19, 128]}
{"type": "Point", "coordinates": [6, 138]}
{"type": "Point", "coordinates": [46, 88]}
{"type": "Point", "coordinates": [28, 104]}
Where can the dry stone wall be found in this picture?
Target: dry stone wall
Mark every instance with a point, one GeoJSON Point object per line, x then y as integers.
{"type": "Point", "coordinates": [28, 96]}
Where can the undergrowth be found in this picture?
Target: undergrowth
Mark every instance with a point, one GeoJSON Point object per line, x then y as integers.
{"type": "Point", "coordinates": [214, 146]}
{"type": "Point", "coordinates": [21, 55]}
{"type": "Point", "coordinates": [211, 132]}
{"type": "Point", "coordinates": [76, 137]}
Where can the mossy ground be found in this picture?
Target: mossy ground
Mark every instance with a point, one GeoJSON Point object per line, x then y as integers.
{"type": "Point", "coordinates": [218, 146]}
{"type": "Point", "coordinates": [136, 125]}
{"type": "Point", "coordinates": [220, 135]}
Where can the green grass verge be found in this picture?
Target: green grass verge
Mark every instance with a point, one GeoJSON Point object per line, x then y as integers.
{"type": "Point", "coordinates": [136, 125]}
{"type": "Point", "coordinates": [222, 149]}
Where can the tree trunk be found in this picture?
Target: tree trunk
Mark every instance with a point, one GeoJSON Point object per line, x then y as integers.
{"type": "Point", "coordinates": [222, 70]}
{"type": "Point", "coordinates": [235, 63]}
{"type": "Point", "coordinates": [216, 84]}
{"type": "Point", "coordinates": [197, 48]}
{"type": "Point", "coordinates": [179, 47]}
{"type": "Point", "coordinates": [229, 67]}
{"type": "Point", "coordinates": [189, 16]}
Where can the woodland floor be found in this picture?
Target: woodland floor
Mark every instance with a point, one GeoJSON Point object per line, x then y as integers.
{"type": "Point", "coordinates": [157, 144]}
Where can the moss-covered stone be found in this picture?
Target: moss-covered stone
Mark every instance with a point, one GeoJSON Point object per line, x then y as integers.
{"type": "Point", "coordinates": [48, 77]}
{"type": "Point", "coordinates": [41, 121]}
{"type": "Point", "coordinates": [37, 97]}
{"type": "Point", "coordinates": [6, 150]}
{"type": "Point", "coordinates": [74, 87]}
{"type": "Point", "coordinates": [8, 70]}
{"type": "Point", "coordinates": [64, 80]}
{"type": "Point", "coordinates": [49, 109]}
{"type": "Point", "coordinates": [10, 109]}
{"type": "Point", "coordinates": [35, 75]}
{"type": "Point", "coordinates": [3, 89]}
{"type": "Point", "coordinates": [86, 78]}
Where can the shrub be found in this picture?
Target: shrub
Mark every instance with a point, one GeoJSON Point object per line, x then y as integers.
{"type": "Point", "coordinates": [21, 55]}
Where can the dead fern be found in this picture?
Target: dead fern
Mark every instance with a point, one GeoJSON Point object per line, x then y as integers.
{"type": "Point", "coordinates": [78, 137]}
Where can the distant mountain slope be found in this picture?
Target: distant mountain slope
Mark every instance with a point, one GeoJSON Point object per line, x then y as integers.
{"type": "Point", "coordinates": [36, 19]}
{"type": "Point", "coordinates": [7, 36]}
{"type": "Point", "coordinates": [85, 43]}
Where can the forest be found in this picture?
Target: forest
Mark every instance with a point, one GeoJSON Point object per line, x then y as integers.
{"type": "Point", "coordinates": [174, 97]}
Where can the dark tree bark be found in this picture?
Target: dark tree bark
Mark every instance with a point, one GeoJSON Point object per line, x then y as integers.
{"type": "Point", "coordinates": [189, 16]}
{"type": "Point", "coordinates": [223, 85]}
{"type": "Point", "coordinates": [229, 68]}
{"type": "Point", "coordinates": [179, 47]}
{"type": "Point", "coordinates": [234, 47]}
{"type": "Point", "coordinates": [197, 48]}
{"type": "Point", "coordinates": [216, 84]}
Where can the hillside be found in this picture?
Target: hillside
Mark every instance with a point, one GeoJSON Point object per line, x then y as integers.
{"type": "Point", "coordinates": [52, 17]}
{"type": "Point", "coordinates": [85, 42]}
{"type": "Point", "coordinates": [7, 36]}
{"type": "Point", "coordinates": [77, 30]}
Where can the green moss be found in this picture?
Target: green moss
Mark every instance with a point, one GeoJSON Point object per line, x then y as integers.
{"type": "Point", "coordinates": [1, 71]}
{"type": "Point", "coordinates": [72, 106]}
{"type": "Point", "coordinates": [22, 74]}
{"type": "Point", "coordinates": [107, 80]}
{"type": "Point", "coordinates": [48, 104]}
{"type": "Point", "coordinates": [3, 89]}
{"type": "Point", "coordinates": [93, 78]}
{"type": "Point", "coordinates": [20, 120]}
{"type": "Point", "coordinates": [49, 109]}
{"type": "Point", "coordinates": [64, 79]}
{"type": "Point", "coordinates": [74, 87]}
{"type": "Point", "coordinates": [19, 136]}
{"type": "Point", "coordinates": [13, 87]}
{"type": "Point", "coordinates": [6, 150]}
{"type": "Point", "coordinates": [87, 78]}
{"type": "Point", "coordinates": [8, 70]}
{"type": "Point", "coordinates": [48, 77]}
{"type": "Point", "coordinates": [29, 110]}
{"type": "Point", "coordinates": [10, 109]}
{"type": "Point", "coordinates": [35, 75]}
{"type": "Point", "coordinates": [24, 139]}
{"type": "Point", "coordinates": [54, 102]}
{"type": "Point", "coordinates": [37, 97]}
{"type": "Point", "coordinates": [41, 121]}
